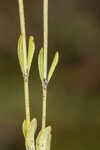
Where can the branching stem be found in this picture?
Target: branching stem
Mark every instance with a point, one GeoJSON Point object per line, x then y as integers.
{"type": "Point", "coordinates": [26, 88]}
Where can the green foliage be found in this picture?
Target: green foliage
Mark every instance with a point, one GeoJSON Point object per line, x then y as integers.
{"type": "Point", "coordinates": [21, 53]}
{"type": "Point", "coordinates": [41, 64]}
{"type": "Point", "coordinates": [43, 140]}
{"type": "Point", "coordinates": [29, 134]}
{"type": "Point", "coordinates": [24, 128]}
{"type": "Point", "coordinates": [31, 49]}
{"type": "Point", "coordinates": [53, 65]}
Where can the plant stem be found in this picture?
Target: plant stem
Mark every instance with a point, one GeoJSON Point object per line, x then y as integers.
{"type": "Point", "coordinates": [22, 26]}
{"type": "Point", "coordinates": [44, 108]}
{"type": "Point", "coordinates": [27, 107]}
{"type": "Point", "coordinates": [26, 88]}
{"type": "Point", "coordinates": [45, 29]}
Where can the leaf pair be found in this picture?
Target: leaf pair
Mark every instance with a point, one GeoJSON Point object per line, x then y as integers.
{"type": "Point", "coordinates": [43, 140]}
{"type": "Point", "coordinates": [31, 50]}
{"type": "Point", "coordinates": [29, 134]}
{"type": "Point", "coordinates": [41, 65]}
{"type": "Point", "coordinates": [21, 52]}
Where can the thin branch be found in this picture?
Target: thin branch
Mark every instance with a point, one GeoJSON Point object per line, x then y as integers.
{"type": "Point", "coordinates": [45, 29]}
{"type": "Point", "coordinates": [44, 108]}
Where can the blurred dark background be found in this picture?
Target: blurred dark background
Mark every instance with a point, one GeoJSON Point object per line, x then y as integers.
{"type": "Point", "coordinates": [73, 107]}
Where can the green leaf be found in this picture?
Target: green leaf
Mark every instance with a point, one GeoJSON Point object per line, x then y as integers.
{"type": "Point", "coordinates": [29, 140]}
{"type": "Point", "coordinates": [43, 140]}
{"type": "Point", "coordinates": [32, 128]}
{"type": "Point", "coordinates": [31, 49]}
{"type": "Point", "coordinates": [24, 128]}
{"type": "Point", "coordinates": [21, 53]}
{"type": "Point", "coordinates": [41, 64]}
{"type": "Point", "coordinates": [53, 66]}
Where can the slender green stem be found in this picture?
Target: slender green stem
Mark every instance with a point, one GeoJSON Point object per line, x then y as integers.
{"type": "Point", "coordinates": [44, 108]}
{"type": "Point", "coordinates": [26, 88]}
{"type": "Point", "coordinates": [22, 26]}
{"type": "Point", "coordinates": [45, 29]}
{"type": "Point", "coordinates": [27, 107]}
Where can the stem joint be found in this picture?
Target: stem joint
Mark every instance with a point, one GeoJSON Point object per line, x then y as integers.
{"type": "Point", "coordinates": [45, 83]}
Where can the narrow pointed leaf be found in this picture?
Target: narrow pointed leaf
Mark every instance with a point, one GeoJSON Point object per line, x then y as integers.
{"type": "Point", "coordinates": [43, 140]}
{"type": "Point", "coordinates": [24, 128]}
{"type": "Point", "coordinates": [29, 140]}
{"type": "Point", "coordinates": [40, 64]}
{"type": "Point", "coordinates": [53, 65]}
{"type": "Point", "coordinates": [21, 53]}
{"type": "Point", "coordinates": [31, 49]}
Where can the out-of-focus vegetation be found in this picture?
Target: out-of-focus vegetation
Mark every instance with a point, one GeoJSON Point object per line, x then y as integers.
{"type": "Point", "coordinates": [74, 91]}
